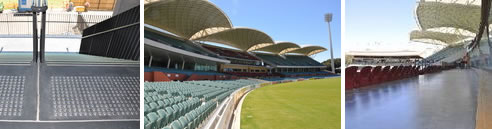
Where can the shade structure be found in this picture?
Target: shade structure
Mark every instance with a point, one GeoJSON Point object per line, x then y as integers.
{"type": "Point", "coordinates": [280, 47]}
{"type": "Point", "coordinates": [186, 18]}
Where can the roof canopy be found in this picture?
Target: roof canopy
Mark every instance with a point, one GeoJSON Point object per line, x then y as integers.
{"type": "Point", "coordinates": [454, 15]}
{"type": "Point", "coordinates": [446, 22]}
{"type": "Point", "coordinates": [201, 20]}
{"type": "Point", "coordinates": [447, 38]}
{"type": "Point", "coordinates": [280, 47]}
{"type": "Point", "coordinates": [243, 38]}
{"type": "Point", "coordinates": [309, 50]}
{"type": "Point", "coordinates": [186, 18]}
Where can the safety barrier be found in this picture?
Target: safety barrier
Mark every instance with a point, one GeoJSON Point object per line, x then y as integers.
{"type": "Point", "coordinates": [57, 23]}
{"type": "Point", "coordinates": [226, 115]}
{"type": "Point", "coordinates": [116, 37]}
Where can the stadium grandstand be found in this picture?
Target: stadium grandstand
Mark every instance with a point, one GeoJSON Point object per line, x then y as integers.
{"type": "Point", "coordinates": [79, 74]}
{"type": "Point", "coordinates": [449, 88]}
{"type": "Point", "coordinates": [393, 58]}
{"type": "Point", "coordinates": [198, 65]}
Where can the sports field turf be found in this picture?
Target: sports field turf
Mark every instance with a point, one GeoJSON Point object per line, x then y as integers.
{"type": "Point", "coordinates": [300, 105]}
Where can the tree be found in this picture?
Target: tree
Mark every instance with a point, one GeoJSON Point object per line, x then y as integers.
{"type": "Point", "coordinates": [338, 63]}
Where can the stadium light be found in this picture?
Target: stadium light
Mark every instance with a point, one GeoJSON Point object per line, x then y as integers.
{"type": "Point", "coordinates": [328, 18]}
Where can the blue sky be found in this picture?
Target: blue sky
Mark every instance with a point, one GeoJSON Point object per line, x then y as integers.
{"type": "Point", "coordinates": [296, 21]}
{"type": "Point", "coordinates": [379, 24]}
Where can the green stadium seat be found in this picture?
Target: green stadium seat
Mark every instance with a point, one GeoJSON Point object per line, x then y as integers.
{"type": "Point", "coordinates": [176, 125]}
{"type": "Point", "coordinates": [163, 117]}
{"type": "Point", "coordinates": [153, 117]}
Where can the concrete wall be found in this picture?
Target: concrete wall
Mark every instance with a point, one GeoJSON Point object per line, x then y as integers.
{"type": "Point", "coordinates": [123, 5]}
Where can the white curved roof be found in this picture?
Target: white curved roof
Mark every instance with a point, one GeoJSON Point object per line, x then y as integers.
{"type": "Point", "coordinates": [446, 22]}
{"type": "Point", "coordinates": [246, 39]}
{"type": "Point", "coordinates": [451, 15]}
{"type": "Point", "coordinates": [186, 18]}
{"type": "Point", "coordinates": [447, 38]}
{"type": "Point", "coordinates": [309, 50]}
{"type": "Point", "coordinates": [280, 47]}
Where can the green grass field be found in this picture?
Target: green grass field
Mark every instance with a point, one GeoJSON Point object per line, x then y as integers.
{"type": "Point", "coordinates": [300, 105]}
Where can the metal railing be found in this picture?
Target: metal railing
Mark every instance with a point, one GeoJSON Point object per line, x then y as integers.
{"type": "Point", "coordinates": [59, 23]}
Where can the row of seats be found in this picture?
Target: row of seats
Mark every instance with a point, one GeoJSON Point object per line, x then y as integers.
{"type": "Point", "coordinates": [185, 105]}
{"type": "Point", "coordinates": [289, 60]}
{"type": "Point", "coordinates": [187, 72]}
{"type": "Point", "coordinates": [191, 120]}
{"type": "Point", "coordinates": [247, 74]}
{"type": "Point", "coordinates": [357, 77]}
{"type": "Point", "coordinates": [273, 79]}
{"type": "Point", "coordinates": [299, 74]}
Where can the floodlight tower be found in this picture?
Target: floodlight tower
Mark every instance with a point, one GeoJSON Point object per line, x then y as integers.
{"type": "Point", "coordinates": [39, 6]}
{"type": "Point", "coordinates": [328, 18]}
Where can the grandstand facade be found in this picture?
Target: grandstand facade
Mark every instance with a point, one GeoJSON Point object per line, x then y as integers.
{"type": "Point", "coordinates": [374, 58]}
{"type": "Point", "coordinates": [198, 65]}
{"type": "Point", "coordinates": [174, 44]}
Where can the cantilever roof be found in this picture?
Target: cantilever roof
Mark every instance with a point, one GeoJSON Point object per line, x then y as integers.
{"type": "Point", "coordinates": [246, 39]}
{"type": "Point", "coordinates": [201, 20]}
{"type": "Point", "coordinates": [280, 47]}
{"type": "Point", "coordinates": [309, 50]}
{"type": "Point", "coordinates": [186, 18]}
{"type": "Point", "coordinates": [453, 15]}
{"type": "Point", "coordinates": [446, 21]}
{"type": "Point", "coordinates": [446, 38]}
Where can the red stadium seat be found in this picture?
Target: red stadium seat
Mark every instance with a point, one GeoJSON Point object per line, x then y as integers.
{"type": "Point", "coordinates": [375, 74]}
{"type": "Point", "coordinates": [364, 76]}
{"type": "Point", "coordinates": [380, 78]}
{"type": "Point", "coordinates": [350, 77]}
{"type": "Point", "coordinates": [395, 74]}
{"type": "Point", "coordinates": [387, 76]}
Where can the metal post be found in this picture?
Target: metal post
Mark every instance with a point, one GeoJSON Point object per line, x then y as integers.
{"type": "Point", "coordinates": [328, 19]}
{"type": "Point", "coordinates": [150, 61]}
{"type": "Point", "coordinates": [168, 62]}
{"type": "Point", "coordinates": [34, 37]}
{"type": "Point", "coordinates": [43, 37]}
{"type": "Point", "coordinates": [39, 8]}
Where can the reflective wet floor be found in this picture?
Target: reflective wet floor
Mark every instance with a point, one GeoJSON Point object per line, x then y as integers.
{"type": "Point", "coordinates": [444, 100]}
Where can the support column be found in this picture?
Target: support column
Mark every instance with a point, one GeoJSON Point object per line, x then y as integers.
{"type": "Point", "coordinates": [150, 61]}
{"type": "Point", "coordinates": [183, 66]}
{"type": "Point", "coordinates": [34, 37]}
{"type": "Point", "coordinates": [41, 9]}
{"type": "Point", "coordinates": [43, 37]}
{"type": "Point", "coordinates": [168, 62]}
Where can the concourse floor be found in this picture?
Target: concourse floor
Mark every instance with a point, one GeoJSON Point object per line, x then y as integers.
{"type": "Point", "coordinates": [69, 94]}
{"type": "Point", "coordinates": [484, 111]}
{"type": "Point", "coordinates": [443, 100]}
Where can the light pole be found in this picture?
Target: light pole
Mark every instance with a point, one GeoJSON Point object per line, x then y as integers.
{"type": "Point", "coordinates": [328, 18]}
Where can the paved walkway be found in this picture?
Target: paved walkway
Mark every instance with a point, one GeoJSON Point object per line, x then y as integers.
{"type": "Point", "coordinates": [484, 112]}
{"type": "Point", "coordinates": [444, 100]}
